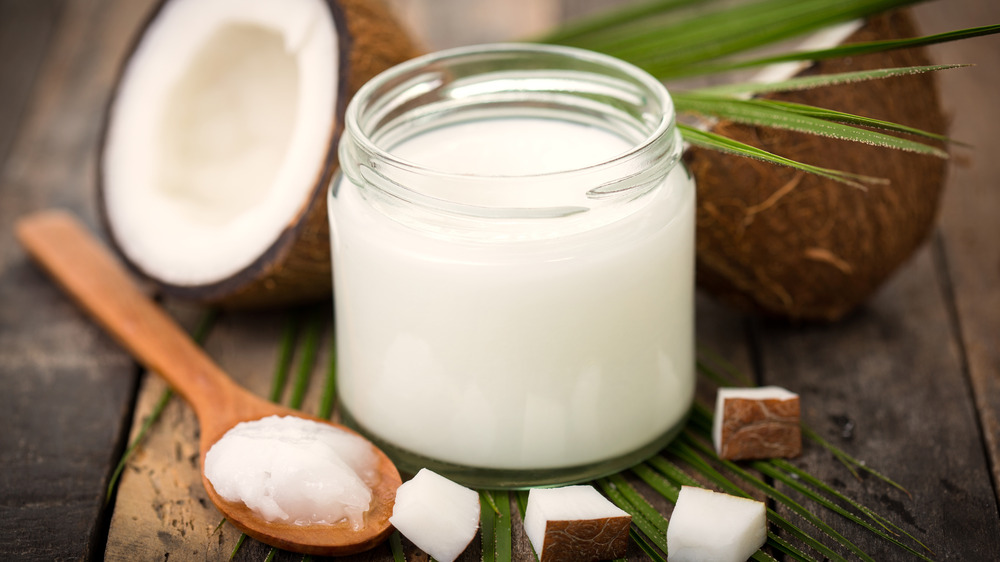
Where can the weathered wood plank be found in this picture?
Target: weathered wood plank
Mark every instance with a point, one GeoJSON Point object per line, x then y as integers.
{"type": "Point", "coordinates": [161, 508]}
{"type": "Point", "coordinates": [970, 230]}
{"type": "Point", "coordinates": [886, 385]}
{"type": "Point", "coordinates": [25, 29]}
{"type": "Point", "coordinates": [66, 390]}
{"type": "Point", "coordinates": [53, 162]}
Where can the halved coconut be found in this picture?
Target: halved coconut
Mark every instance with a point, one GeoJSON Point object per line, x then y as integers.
{"type": "Point", "coordinates": [221, 139]}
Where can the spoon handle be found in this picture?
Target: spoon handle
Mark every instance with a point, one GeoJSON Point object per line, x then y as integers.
{"type": "Point", "coordinates": [88, 272]}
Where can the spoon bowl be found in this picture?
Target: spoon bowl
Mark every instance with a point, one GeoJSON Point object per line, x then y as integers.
{"type": "Point", "coordinates": [324, 540]}
{"type": "Point", "coordinates": [99, 283]}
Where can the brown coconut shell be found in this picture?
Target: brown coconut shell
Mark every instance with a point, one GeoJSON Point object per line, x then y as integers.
{"type": "Point", "coordinates": [780, 242]}
{"type": "Point", "coordinates": [296, 267]}
{"type": "Point", "coordinates": [579, 540]}
{"type": "Point", "coordinates": [755, 428]}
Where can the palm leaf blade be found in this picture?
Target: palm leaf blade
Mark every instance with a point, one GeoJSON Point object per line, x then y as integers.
{"type": "Point", "coordinates": [789, 117]}
{"type": "Point", "coordinates": [848, 118]}
{"type": "Point", "coordinates": [644, 517]}
{"type": "Point", "coordinates": [820, 80]}
{"type": "Point", "coordinates": [848, 50]}
{"type": "Point", "coordinates": [721, 143]}
{"type": "Point", "coordinates": [670, 45]}
{"type": "Point", "coordinates": [769, 470]}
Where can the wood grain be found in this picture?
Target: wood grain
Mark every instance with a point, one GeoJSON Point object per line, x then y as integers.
{"type": "Point", "coordinates": [66, 391]}
{"type": "Point", "coordinates": [886, 385]}
{"type": "Point", "coordinates": [968, 251]}
{"type": "Point", "coordinates": [26, 26]}
{"type": "Point", "coordinates": [98, 282]}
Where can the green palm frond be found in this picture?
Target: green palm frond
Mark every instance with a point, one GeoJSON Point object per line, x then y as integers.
{"type": "Point", "coordinates": [674, 39]}
{"type": "Point", "coordinates": [816, 81]}
{"type": "Point", "coordinates": [721, 143]}
{"type": "Point", "coordinates": [688, 33]}
{"type": "Point", "coordinates": [798, 118]}
{"type": "Point", "coordinates": [850, 50]}
{"type": "Point", "coordinates": [495, 525]}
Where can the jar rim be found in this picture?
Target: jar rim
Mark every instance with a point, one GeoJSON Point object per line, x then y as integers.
{"type": "Point", "coordinates": [651, 155]}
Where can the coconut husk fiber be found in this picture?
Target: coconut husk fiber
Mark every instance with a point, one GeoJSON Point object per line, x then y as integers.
{"type": "Point", "coordinates": [784, 243]}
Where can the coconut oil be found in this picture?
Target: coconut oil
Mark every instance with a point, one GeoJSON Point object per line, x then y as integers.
{"type": "Point", "coordinates": [294, 470]}
{"type": "Point", "coordinates": [513, 243]}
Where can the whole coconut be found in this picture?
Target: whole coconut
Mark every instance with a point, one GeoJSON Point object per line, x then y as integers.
{"type": "Point", "coordinates": [785, 243]}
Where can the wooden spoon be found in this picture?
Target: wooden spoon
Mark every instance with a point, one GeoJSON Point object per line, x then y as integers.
{"type": "Point", "coordinates": [88, 272]}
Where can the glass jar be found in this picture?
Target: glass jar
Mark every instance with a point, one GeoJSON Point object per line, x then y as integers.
{"type": "Point", "coordinates": [513, 259]}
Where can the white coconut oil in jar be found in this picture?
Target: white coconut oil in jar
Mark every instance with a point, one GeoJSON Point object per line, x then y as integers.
{"type": "Point", "coordinates": [513, 257]}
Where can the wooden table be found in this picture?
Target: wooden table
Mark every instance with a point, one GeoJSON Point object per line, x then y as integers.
{"type": "Point", "coordinates": [910, 384]}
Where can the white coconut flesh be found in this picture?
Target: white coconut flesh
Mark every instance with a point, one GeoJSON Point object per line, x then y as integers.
{"type": "Point", "coordinates": [218, 132]}
{"type": "Point", "coordinates": [707, 525]}
{"type": "Point", "coordinates": [587, 526]}
{"type": "Point", "coordinates": [438, 515]}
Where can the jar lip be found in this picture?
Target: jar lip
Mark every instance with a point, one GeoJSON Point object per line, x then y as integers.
{"type": "Point", "coordinates": [353, 114]}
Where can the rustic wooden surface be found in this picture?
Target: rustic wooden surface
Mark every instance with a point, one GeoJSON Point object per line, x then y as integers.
{"type": "Point", "coordinates": [910, 383]}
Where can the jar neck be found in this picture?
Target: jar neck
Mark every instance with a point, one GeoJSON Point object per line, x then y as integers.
{"type": "Point", "coordinates": [510, 82]}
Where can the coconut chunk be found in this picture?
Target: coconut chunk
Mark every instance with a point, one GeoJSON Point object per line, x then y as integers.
{"type": "Point", "coordinates": [756, 423]}
{"type": "Point", "coordinates": [439, 516]}
{"type": "Point", "coordinates": [707, 526]}
{"type": "Point", "coordinates": [575, 523]}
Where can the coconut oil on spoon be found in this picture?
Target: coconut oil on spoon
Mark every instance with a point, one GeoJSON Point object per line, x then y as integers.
{"type": "Point", "coordinates": [88, 272]}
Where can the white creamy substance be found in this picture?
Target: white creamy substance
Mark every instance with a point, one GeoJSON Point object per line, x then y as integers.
{"type": "Point", "coordinates": [294, 470]}
{"type": "Point", "coordinates": [520, 354]}
{"type": "Point", "coordinates": [441, 517]}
